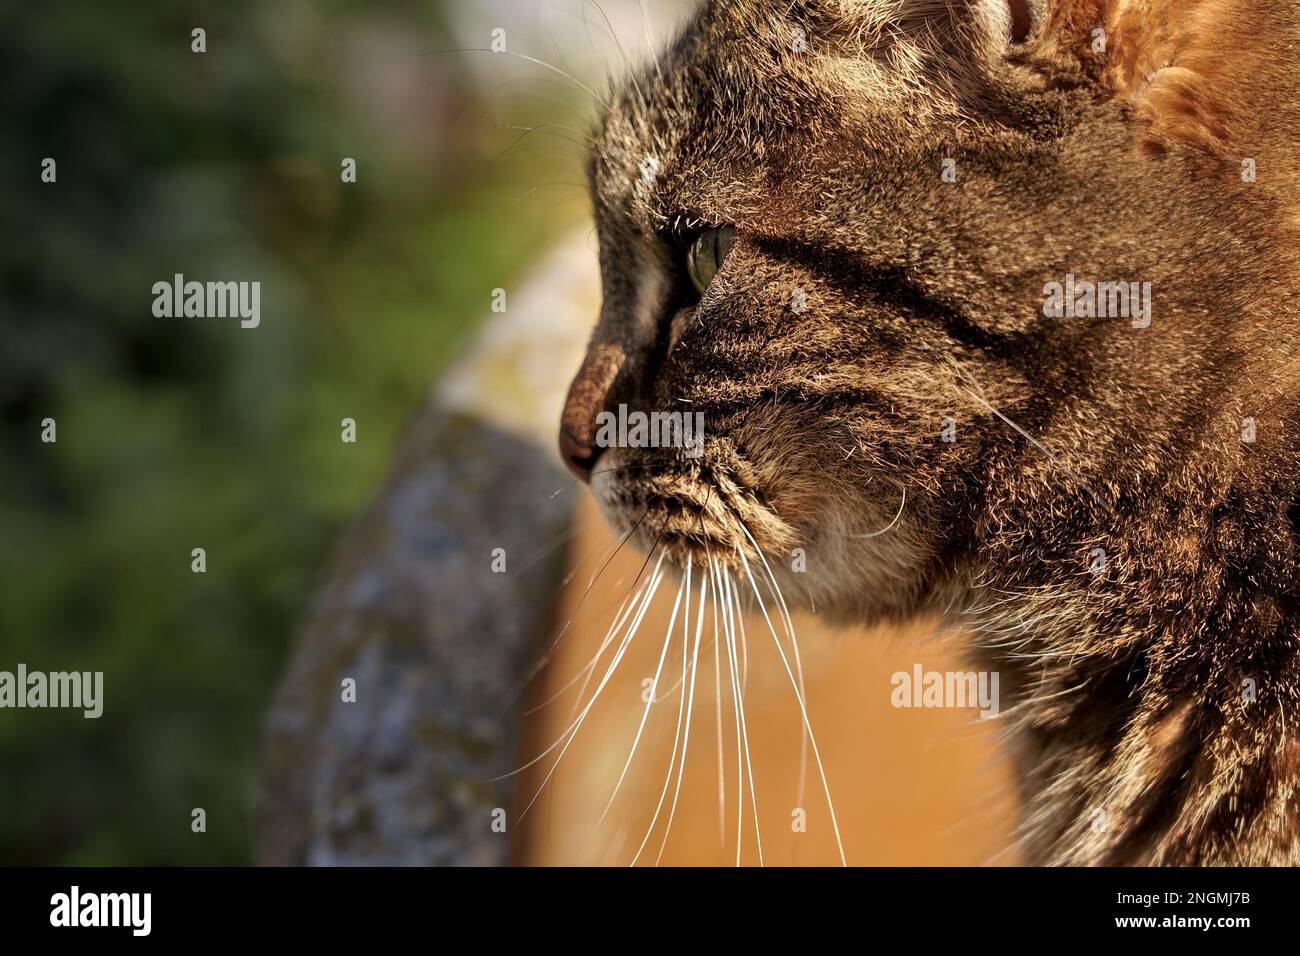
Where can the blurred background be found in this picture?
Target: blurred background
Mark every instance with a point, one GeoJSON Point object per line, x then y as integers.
{"type": "Point", "coordinates": [177, 434]}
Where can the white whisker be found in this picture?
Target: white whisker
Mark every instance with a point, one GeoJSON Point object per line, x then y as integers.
{"type": "Point", "coordinates": [877, 534]}
{"type": "Point", "coordinates": [735, 709]}
{"type": "Point", "coordinates": [656, 577]}
{"type": "Point", "coordinates": [788, 623]}
{"type": "Point", "coordinates": [672, 760]}
{"type": "Point", "coordinates": [977, 393]}
{"type": "Point", "coordinates": [654, 689]}
{"type": "Point", "coordinates": [625, 610]}
{"type": "Point", "coordinates": [738, 626]}
{"type": "Point", "coordinates": [686, 738]}
{"type": "Point", "coordinates": [649, 38]}
{"type": "Point", "coordinates": [744, 727]}
{"type": "Point", "coordinates": [530, 59]}
{"type": "Point", "coordinates": [802, 705]}
{"type": "Point", "coordinates": [717, 700]}
{"type": "Point", "coordinates": [613, 35]}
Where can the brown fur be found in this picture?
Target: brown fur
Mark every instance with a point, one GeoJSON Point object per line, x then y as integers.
{"type": "Point", "coordinates": [1135, 741]}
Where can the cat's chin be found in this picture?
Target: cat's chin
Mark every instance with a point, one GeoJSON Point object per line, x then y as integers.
{"type": "Point", "coordinates": [702, 519]}
{"type": "Point", "coordinates": [692, 517]}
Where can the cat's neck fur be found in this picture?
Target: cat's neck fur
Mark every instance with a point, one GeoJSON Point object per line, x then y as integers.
{"type": "Point", "coordinates": [1150, 675]}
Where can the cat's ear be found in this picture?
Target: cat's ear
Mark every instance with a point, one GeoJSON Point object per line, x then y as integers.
{"type": "Point", "coordinates": [1020, 19]}
{"type": "Point", "coordinates": [988, 30]}
{"type": "Point", "coordinates": [1010, 21]}
{"type": "Point", "coordinates": [1189, 68]}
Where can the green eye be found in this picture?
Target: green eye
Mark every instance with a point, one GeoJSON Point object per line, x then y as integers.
{"type": "Point", "coordinates": [704, 258]}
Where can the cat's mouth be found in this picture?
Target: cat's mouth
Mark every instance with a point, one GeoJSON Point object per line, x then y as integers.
{"type": "Point", "coordinates": [699, 513]}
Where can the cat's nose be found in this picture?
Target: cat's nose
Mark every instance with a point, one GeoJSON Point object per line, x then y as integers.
{"type": "Point", "coordinates": [578, 456]}
{"type": "Point", "coordinates": [587, 398]}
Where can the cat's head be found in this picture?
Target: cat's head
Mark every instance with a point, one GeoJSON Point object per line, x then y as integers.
{"type": "Point", "coordinates": [829, 234]}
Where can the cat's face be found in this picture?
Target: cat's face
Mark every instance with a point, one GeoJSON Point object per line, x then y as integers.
{"type": "Point", "coordinates": [872, 354]}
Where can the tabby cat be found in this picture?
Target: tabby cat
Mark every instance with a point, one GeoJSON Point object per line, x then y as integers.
{"type": "Point", "coordinates": [853, 235]}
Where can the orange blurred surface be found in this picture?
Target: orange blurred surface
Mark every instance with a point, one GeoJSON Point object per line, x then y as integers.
{"type": "Point", "coordinates": [910, 786]}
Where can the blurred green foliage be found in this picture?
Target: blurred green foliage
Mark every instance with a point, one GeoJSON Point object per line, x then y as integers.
{"type": "Point", "coordinates": [177, 434]}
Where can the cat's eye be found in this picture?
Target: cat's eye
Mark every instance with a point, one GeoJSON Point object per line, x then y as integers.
{"type": "Point", "coordinates": [704, 258]}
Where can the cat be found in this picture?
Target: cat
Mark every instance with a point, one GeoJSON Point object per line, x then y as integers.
{"type": "Point", "coordinates": [835, 229]}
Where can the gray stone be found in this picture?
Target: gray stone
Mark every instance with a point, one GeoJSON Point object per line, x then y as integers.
{"type": "Point", "coordinates": [436, 642]}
